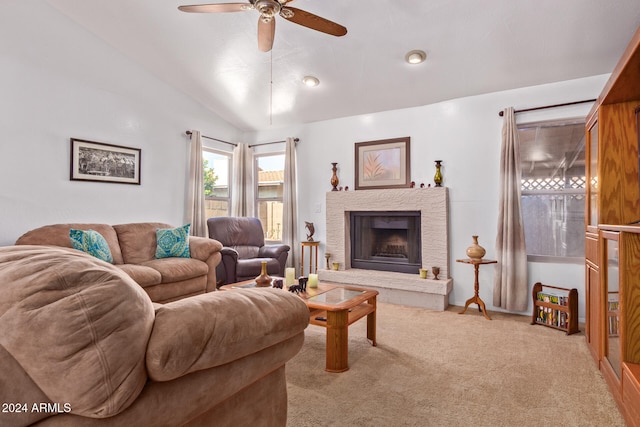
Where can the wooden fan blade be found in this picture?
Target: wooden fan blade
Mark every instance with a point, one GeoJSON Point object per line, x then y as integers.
{"type": "Point", "coordinates": [215, 8]}
{"type": "Point", "coordinates": [266, 34]}
{"type": "Point", "coordinates": [315, 22]}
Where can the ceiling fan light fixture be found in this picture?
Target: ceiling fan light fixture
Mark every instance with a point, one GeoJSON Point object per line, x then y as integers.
{"type": "Point", "coordinates": [268, 8]}
{"type": "Point", "coordinates": [310, 81]}
{"type": "Point", "coordinates": [286, 13]}
{"type": "Point", "coordinates": [415, 57]}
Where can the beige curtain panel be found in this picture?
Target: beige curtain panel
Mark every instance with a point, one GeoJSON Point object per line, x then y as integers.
{"type": "Point", "coordinates": [290, 202]}
{"type": "Point", "coordinates": [196, 215]}
{"type": "Point", "coordinates": [242, 181]}
{"type": "Point", "coordinates": [511, 290]}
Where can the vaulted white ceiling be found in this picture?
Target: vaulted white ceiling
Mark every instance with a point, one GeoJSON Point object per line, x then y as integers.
{"type": "Point", "coordinates": [473, 47]}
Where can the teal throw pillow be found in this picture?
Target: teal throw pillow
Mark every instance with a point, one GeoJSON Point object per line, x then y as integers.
{"type": "Point", "coordinates": [91, 242]}
{"type": "Point", "coordinates": [173, 242]}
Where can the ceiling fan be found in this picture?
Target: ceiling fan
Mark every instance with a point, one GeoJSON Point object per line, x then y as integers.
{"type": "Point", "coordinates": [266, 23]}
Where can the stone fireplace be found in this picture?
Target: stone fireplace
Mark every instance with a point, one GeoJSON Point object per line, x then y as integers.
{"type": "Point", "coordinates": [430, 205]}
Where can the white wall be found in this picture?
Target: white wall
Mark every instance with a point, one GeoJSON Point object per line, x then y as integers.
{"type": "Point", "coordinates": [466, 134]}
{"type": "Point", "coordinates": [58, 81]}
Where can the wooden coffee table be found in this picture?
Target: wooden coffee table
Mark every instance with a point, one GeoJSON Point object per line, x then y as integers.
{"type": "Point", "coordinates": [335, 307]}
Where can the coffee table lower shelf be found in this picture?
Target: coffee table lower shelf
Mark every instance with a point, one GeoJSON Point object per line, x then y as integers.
{"type": "Point", "coordinates": [337, 326]}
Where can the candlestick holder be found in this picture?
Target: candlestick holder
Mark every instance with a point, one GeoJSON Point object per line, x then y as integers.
{"type": "Point", "coordinates": [327, 256]}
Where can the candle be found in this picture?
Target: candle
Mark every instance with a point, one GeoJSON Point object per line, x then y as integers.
{"type": "Point", "coordinates": [313, 280]}
{"type": "Point", "coordinates": [289, 276]}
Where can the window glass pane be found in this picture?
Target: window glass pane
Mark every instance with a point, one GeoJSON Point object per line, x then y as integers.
{"type": "Point", "coordinates": [270, 172]}
{"type": "Point", "coordinates": [270, 214]}
{"type": "Point", "coordinates": [553, 183]}
{"type": "Point", "coordinates": [216, 183]}
{"type": "Point", "coordinates": [554, 224]}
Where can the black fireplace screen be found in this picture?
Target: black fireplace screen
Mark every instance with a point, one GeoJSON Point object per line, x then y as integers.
{"type": "Point", "coordinates": [387, 241]}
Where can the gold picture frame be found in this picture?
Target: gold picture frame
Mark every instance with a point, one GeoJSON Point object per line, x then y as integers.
{"type": "Point", "coordinates": [383, 164]}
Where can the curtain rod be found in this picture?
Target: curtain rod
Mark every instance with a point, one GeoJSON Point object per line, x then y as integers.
{"type": "Point", "coordinates": [501, 113]}
{"type": "Point", "coordinates": [213, 139]}
{"type": "Point", "coordinates": [235, 145]}
{"type": "Point", "coordinates": [295, 140]}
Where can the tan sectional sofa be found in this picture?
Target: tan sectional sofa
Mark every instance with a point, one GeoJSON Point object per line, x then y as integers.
{"type": "Point", "coordinates": [81, 344]}
{"type": "Point", "coordinates": [133, 247]}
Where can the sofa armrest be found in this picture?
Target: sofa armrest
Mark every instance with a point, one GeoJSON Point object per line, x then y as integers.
{"type": "Point", "coordinates": [202, 247]}
{"type": "Point", "coordinates": [207, 250]}
{"type": "Point", "coordinates": [212, 329]}
{"type": "Point", "coordinates": [230, 252]}
{"type": "Point", "coordinates": [273, 251]}
{"type": "Point", "coordinates": [227, 268]}
{"type": "Point", "coordinates": [277, 251]}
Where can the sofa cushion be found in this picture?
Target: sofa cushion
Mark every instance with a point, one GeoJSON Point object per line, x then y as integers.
{"type": "Point", "coordinates": [91, 242]}
{"type": "Point", "coordinates": [173, 291]}
{"type": "Point", "coordinates": [142, 275]}
{"type": "Point", "coordinates": [58, 235]}
{"type": "Point", "coordinates": [68, 318]}
{"type": "Point", "coordinates": [173, 242]}
{"type": "Point", "coordinates": [138, 241]}
{"type": "Point", "coordinates": [216, 328]}
{"type": "Point", "coordinates": [176, 269]}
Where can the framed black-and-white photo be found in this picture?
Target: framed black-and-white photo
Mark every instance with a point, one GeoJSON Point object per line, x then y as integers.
{"type": "Point", "coordinates": [96, 161]}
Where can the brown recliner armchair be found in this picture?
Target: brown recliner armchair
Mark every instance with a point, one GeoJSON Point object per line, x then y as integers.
{"type": "Point", "coordinates": [244, 250]}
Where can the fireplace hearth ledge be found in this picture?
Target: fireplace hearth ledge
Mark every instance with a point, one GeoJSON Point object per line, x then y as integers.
{"type": "Point", "coordinates": [396, 288]}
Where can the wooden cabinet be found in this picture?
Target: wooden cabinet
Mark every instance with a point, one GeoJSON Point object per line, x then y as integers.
{"type": "Point", "coordinates": [611, 365]}
{"type": "Point", "coordinates": [591, 172]}
{"type": "Point", "coordinates": [612, 242]}
{"type": "Point", "coordinates": [592, 296]}
{"type": "Point", "coordinates": [620, 310]}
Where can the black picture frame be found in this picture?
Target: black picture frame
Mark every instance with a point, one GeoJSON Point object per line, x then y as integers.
{"type": "Point", "coordinates": [101, 162]}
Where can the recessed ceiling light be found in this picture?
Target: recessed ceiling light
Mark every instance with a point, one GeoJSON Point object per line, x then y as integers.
{"type": "Point", "coordinates": [415, 57]}
{"type": "Point", "coordinates": [310, 81]}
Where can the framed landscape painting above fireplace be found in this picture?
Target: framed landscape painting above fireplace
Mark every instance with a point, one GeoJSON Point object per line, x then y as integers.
{"type": "Point", "coordinates": [383, 164]}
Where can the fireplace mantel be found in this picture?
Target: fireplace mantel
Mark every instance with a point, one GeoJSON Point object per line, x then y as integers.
{"type": "Point", "coordinates": [433, 205]}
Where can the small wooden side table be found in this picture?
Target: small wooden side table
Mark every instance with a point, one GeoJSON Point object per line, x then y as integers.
{"type": "Point", "coordinates": [313, 255]}
{"type": "Point", "coordinates": [476, 285]}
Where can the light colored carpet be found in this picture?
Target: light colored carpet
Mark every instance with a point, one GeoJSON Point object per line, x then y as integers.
{"type": "Point", "coordinates": [444, 369]}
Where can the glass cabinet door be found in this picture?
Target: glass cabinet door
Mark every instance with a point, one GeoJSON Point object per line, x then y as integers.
{"type": "Point", "coordinates": [612, 306]}
{"type": "Point", "coordinates": [592, 175]}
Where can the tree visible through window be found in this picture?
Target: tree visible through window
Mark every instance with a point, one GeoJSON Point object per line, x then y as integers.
{"type": "Point", "coordinates": [552, 160]}
{"type": "Point", "coordinates": [216, 182]}
{"type": "Point", "coordinates": [210, 178]}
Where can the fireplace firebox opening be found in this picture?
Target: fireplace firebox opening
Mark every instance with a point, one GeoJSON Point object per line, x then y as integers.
{"type": "Point", "coordinates": [388, 240]}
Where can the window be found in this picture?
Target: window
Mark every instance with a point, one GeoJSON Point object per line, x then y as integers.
{"type": "Point", "coordinates": [552, 160]}
{"type": "Point", "coordinates": [269, 169]}
{"type": "Point", "coordinates": [216, 182]}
